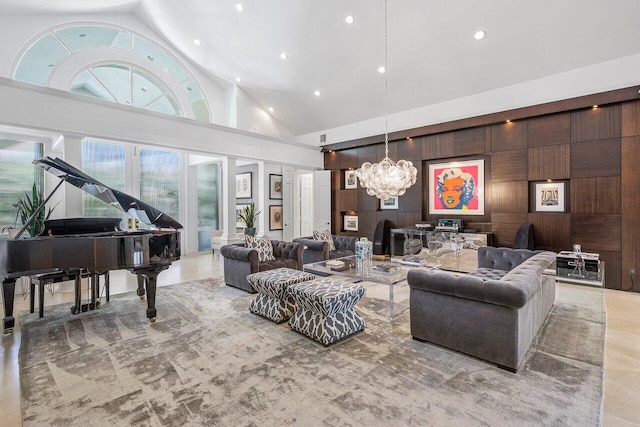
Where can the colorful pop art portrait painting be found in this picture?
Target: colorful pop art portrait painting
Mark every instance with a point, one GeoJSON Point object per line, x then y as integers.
{"type": "Point", "coordinates": [457, 188]}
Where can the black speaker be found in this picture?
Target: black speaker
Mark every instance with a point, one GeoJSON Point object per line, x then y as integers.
{"type": "Point", "coordinates": [381, 237]}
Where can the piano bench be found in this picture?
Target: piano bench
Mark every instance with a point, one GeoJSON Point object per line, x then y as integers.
{"type": "Point", "coordinates": [44, 279]}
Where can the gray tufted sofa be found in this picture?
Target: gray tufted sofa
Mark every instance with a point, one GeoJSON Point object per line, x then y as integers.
{"type": "Point", "coordinates": [318, 250]}
{"type": "Point", "coordinates": [492, 313]}
{"type": "Point", "coordinates": [240, 261]}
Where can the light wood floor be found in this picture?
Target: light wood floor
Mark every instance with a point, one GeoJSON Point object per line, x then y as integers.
{"type": "Point", "coordinates": [622, 344]}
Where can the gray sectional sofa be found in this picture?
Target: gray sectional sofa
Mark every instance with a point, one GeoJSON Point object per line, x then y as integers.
{"type": "Point", "coordinates": [492, 313]}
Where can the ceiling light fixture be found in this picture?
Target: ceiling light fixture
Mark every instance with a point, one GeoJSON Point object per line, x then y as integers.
{"type": "Point", "coordinates": [381, 69]}
{"type": "Point", "coordinates": [270, 109]}
{"type": "Point", "coordinates": [316, 93]}
{"type": "Point", "coordinates": [387, 179]}
{"type": "Point", "coordinates": [196, 42]}
{"type": "Point", "coordinates": [283, 55]}
{"type": "Point", "coordinates": [239, 7]}
{"type": "Point", "coordinates": [238, 80]}
{"type": "Point", "coordinates": [349, 19]}
{"type": "Point", "coordinates": [479, 35]}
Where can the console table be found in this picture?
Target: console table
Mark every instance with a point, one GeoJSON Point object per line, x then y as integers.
{"type": "Point", "coordinates": [409, 241]}
{"type": "Point", "coordinates": [567, 275]}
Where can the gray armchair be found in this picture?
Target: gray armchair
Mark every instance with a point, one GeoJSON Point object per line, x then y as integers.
{"type": "Point", "coordinates": [318, 250]}
{"type": "Point", "coordinates": [240, 261]}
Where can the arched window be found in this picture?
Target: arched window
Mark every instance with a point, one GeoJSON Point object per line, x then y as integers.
{"type": "Point", "coordinates": [113, 79]}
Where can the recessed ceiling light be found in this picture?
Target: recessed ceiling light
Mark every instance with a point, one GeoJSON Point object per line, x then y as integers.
{"type": "Point", "coordinates": [479, 35]}
{"type": "Point", "coordinates": [270, 109]}
{"type": "Point", "coordinates": [238, 79]}
{"type": "Point", "coordinates": [196, 42]}
{"type": "Point", "coordinates": [239, 7]}
{"type": "Point", "coordinates": [316, 93]}
{"type": "Point", "coordinates": [381, 69]}
{"type": "Point", "coordinates": [283, 55]}
{"type": "Point", "coordinates": [349, 19]}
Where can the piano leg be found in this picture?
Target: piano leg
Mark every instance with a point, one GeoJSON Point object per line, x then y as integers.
{"type": "Point", "coordinates": [77, 288]}
{"type": "Point", "coordinates": [8, 293]}
{"type": "Point", "coordinates": [95, 291]}
{"type": "Point", "coordinates": [151, 296]}
{"type": "Point", "coordinates": [106, 285]}
{"type": "Point", "coordinates": [141, 283]}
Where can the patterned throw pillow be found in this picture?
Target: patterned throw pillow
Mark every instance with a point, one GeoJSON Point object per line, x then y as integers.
{"type": "Point", "coordinates": [326, 236]}
{"type": "Point", "coordinates": [263, 246]}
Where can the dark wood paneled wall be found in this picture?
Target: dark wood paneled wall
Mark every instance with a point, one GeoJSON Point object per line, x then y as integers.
{"type": "Point", "coordinates": [595, 151]}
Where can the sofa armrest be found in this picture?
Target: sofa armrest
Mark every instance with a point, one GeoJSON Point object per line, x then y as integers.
{"type": "Point", "coordinates": [240, 253]}
{"type": "Point", "coordinates": [497, 292]}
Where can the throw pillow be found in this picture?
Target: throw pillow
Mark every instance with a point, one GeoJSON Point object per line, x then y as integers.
{"type": "Point", "coordinates": [326, 236]}
{"type": "Point", "coordinates": [263, 246]}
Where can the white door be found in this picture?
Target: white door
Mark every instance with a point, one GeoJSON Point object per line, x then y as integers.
{"type": "Point", "coordinates": [322, 200]}
{"type": "Point", "coordinates": [306, 204]}
{"type": "Point", "coordinates": [287, 203]}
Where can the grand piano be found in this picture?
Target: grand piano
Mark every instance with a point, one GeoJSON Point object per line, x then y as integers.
{"type": "Point", "coordinates": [86, 243]}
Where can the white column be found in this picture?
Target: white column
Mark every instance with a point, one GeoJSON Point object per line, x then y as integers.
{"type": "Point", "coordinates": [262, 205]}
{"type": "Point", "coordinates": [72, 195]}
{"type": "Point", "coordinates": [229, 234]}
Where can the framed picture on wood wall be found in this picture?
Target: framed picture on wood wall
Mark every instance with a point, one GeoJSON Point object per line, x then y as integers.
{"type": "Point", "coordinates": [389, 204]}
{"type": "Point", "coordinates": [456, 188]}
{"type": "Point", "coordinates": [350, 179]}
{"type": "Point", "coordinates": [549, 196]}
{"type": "Point", "coordinates": [350, 223]}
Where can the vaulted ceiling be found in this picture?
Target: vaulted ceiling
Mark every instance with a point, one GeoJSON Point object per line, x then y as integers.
{"type": "Point", "coordinates": [432, 54]}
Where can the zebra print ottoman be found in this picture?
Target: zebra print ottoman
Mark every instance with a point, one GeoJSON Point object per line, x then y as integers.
{"type": "Point", "coordinates": [273, 300]}
{"type": "Point", "coordinates": [326, 309]}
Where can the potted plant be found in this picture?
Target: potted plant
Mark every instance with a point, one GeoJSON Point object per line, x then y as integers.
{"type": "Point", "coordinates": [28, 206]}
{"type": "Point", "coordinates": [248, 216]}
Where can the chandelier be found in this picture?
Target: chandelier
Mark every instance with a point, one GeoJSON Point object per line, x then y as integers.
{"type": "Point", "coordinates": [387, 179]}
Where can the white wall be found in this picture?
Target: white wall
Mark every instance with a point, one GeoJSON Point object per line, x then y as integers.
{"type": "Point", "coordinates": [254, 118]}
{"type": "Point", "coordinates": [611, 75]}
{"type": "Point", "coordinates": [29, 106]}
{"type": "Point", "coordinates": [228, 106]}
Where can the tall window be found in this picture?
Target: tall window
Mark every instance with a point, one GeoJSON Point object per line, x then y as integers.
{"type": "Point", "coordinates": [17, 175]}
{"type": "Point", "coordinates": [208, 178]}
{"type": "Point", "coordinates": [160, 180]}
{"type": "Point", "coordinates": [157, 182]}
{"type": "Point", "coordinates": [106, 163]}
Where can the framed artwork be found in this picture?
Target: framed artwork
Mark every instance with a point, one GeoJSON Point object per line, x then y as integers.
{"type": "Point", "coordinates": [243, 185]}
{"type": "Point", "coordinates": [389, 204]}
{"type": "Point", "coordinates": [456, 188]}
{"type": "Point", "coordinates": [549, 196]}
{"type": "Point", "coordinates": [350, 223]}
{"type": "Point", "coordinates": [275, 217]}
{"type": "Point", "coordinates": [275, 187]}
{"type": "Point", "coordinates": [239, 222]}
{"type": "Point", "coordinates": [350, 179]}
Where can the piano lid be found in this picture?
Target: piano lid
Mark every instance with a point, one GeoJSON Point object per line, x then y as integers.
{"type": "Point", "coordinates": [119, 200]}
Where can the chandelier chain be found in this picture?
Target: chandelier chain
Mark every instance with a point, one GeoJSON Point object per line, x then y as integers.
{"type": "Point", "coordinates": [387, 179]}
{"type": "Point", "coordinates": [386, 86]}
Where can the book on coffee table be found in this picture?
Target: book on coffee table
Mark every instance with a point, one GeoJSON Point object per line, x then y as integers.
{"type": "Point", "coordinates": [411, 260]}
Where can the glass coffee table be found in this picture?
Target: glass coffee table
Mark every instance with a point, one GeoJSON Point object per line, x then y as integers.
{"type": "Point", "coordinates": [373, 271]}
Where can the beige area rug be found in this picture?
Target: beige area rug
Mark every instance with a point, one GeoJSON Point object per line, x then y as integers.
{"type": "Point", "coordinates": [209, 361]}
